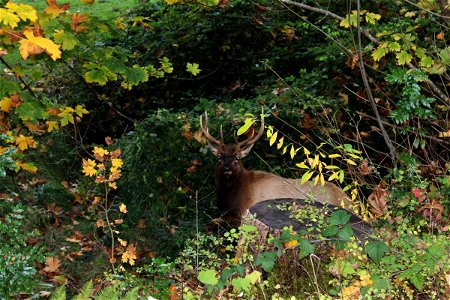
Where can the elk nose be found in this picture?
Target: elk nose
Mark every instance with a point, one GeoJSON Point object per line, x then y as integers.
{"type": "Point", "coordinates": [226, 168]}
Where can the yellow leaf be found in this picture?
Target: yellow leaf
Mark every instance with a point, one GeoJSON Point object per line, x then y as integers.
{"type": "Point", "coordinates": [33, 45]}
{"type": "Point", "coordinates": [5, 104]}
{"type": "Point", "coordinates": [353, 155]}
{"type": "Point", "coordinates": [444, 134]}
{"type": "Point", "coordinates": [112, 185]}
{"type": "Point", "coordinates": [334, 155]}
{"type": "Point", "coordinates": [284, 150]}
{"type": "Point", "coordinates": [316, 179]}
{"type": "Point", "coordinates": [293, 151]}
{"type": "Point", "coordinates": [273, 138]}
{"type": "Point", "coordinates": [122, 242]}
{"type": "Point", "coordinates": [306, 151]}
{"type": "Point", "coordinates": [302, 165]}
{"type": "Point", "coordinates": [269, 131]}
{"type": "Point", "coordinates": [315, 162]}
{"type": "Point", "coordinates": [99, 152]}
{"type": "Point", "coordinates": [129, 255]}
{"type": "Point", "coordinates": [123, 208]}
{"type": "Point", "coordinates": [89, 167]}
{"type": "Point", "coordinates": [8, 18]}
{"type": "Point", "coordinates": [116, 163]}
{"type": "Point", "coordinates": [23, 11]}
{"type": "Point", "coordinates": [27, 167]}
{"type": "Point", "coordinates": [333, 176]}
{"type": "Point", "coordinates": [52, 125]}
{"type": "Point", "coordinates": [306, 177]}
{"type": "Point", "coordinates": [351, 162]}
{"type": "Point", "coordinates": [280, 142]}
{"type": "Point", "coordinates": [322, 179]}
{"type": "Point", "coordinates": [23, 142]}
{"type": "Point", "coordinates": [80, 110]}
{"type": "Point", "coordinates": [290, 244]}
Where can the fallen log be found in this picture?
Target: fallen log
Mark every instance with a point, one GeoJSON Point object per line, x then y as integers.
{"type": "Point", "coordinates": [271, 216]}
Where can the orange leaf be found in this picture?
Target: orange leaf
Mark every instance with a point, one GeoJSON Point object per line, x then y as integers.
{"type": "Point", "coordinates": [5, 104]}
{"type": "Point", "coordinates": [129, 255]}
{"type": "Point", "coordinates": [23, 142]}
{"type": "Point", "coordinates": [33, 45]}
{"type": "Point", "coordinates": [55, 9]}
{"type": "Point", "coordinates": [440, 36]}
{"type": "Point", "coordinates": [77, 19]}
{"type": "Point", "coordinates": [100, 223]}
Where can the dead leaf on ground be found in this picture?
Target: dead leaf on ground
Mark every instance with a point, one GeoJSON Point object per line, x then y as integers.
{"type": "Point", "coordinates": [52, 265]}
{"type": "Point", "coordinates": [377, 201]}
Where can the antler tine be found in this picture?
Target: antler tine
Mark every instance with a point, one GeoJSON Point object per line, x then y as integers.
{"type": "Point", "coordinates": [221, 134]}
{"type": "Point", "coordinates": [254, 138]}
{"type": "Point", "coordinates": [206, 132]}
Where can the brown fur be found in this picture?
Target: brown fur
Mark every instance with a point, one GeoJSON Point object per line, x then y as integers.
{"type": "Point", "coordinates": [238, 189]}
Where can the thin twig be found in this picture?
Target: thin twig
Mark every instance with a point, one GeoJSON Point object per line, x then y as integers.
{"type": "Point", "coordinates": [386, 138]}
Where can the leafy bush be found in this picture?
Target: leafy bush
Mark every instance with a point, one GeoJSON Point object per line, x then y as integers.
{"type": "Point", "coordinates": [17, 258]}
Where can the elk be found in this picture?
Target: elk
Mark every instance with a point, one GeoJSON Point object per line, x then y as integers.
{"type": "Point", "coordinates": [238, 189]}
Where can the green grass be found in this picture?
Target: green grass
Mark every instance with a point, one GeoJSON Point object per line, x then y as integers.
{"type": "Point", "coordinates": [103, 9]}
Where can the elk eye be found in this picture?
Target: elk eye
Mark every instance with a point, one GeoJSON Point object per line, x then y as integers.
{"type": "Point", "coordinates": [219, 157]}
{"type": "Point", "coordinates": [238, 158]}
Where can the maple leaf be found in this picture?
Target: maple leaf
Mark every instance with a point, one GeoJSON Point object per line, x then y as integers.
{"type": "Point", "coordinates": [23, 142]}
{"type": "Point", "coordinates": [54, 9]}
{"type": "Point", "coordinates": [33, 45]}
{"type": "Point", "coordinates": [129, 255]}
{"type": "Point", "coordinates": [112, 185]}
{"type": "Point", "coordinates": [27, 167]}
{"type": "Point", "coordinates": [52, 125]}
{"type": "Point", "coordinates": [88, 1]}
{"type": "Point", "coordinates": [89, 167]}
{"type": "Point", "coordinates": [123, 208]}
{"type": "Point", "coordinates": [52, 265]}
{"type": "Point", "coordinates": [80, 110]}
{"type": "Point", "coordinates": [66, 117]}
{"type": "Point", "coordinates": [100, 223]}
{"type": "Point", "coordinates": [193, 68]}
{"type": "Point", "coordinates": [5, 104]}
{"type": "Point", "coordinates": [77, 19]}
{"type": "Point", "coordinates": [23, 11]}
{"type": "Point", "coordinates": [116, 163]}
{"type": "Point", "coordinates": [67, 40]}
{"type": "Point", "coordinates": [9, 18]}
{"type": "Point", "coordinates": [99, 153]}
{"type": "Point", "coordinates": [403, 57]}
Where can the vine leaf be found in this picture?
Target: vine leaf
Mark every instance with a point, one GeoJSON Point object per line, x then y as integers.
{"type": "Point", "coordinates": [208, 277]}
{"type": "Point", "coordinates": [376, 250]}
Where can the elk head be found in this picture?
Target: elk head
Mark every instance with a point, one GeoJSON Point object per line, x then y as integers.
{"type": "Point", "coordinates": [229, 156]}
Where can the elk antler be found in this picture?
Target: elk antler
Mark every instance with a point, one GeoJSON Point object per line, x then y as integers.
{"type": "Point", "coordinates": [206, 132]}
{"type": "Point", "coordinates": [253, 138]}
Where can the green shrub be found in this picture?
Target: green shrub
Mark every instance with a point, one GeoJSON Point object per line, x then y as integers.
{"type": "Point", "coordinates": [17, 259]}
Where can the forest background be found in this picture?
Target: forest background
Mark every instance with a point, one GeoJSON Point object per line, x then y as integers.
{"type": "Point", "coordinates": [106, 183]}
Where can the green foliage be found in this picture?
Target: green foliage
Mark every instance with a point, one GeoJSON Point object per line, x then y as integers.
{"type": "Point", "coordinates": [412, 103]}
{"type": "Point", "coordinates": [115, 291]}
{"type": "Point", "coordinates": [17, 259]}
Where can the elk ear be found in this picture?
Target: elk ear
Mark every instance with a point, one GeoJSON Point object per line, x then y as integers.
{"type": "Point", "coordinates": [245, 150]}
{"type": "Point", "coordinates": [214, 150]}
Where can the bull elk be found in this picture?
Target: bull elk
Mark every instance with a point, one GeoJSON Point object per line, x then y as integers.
{"type": "Point", "coordinates": [238, 189]}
